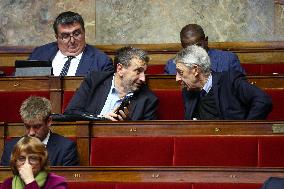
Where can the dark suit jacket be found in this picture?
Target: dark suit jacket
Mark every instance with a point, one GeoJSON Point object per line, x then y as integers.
{"type": "Point", "coordinates": [220, 61]}
{"type": "Point", "coordinates": [236, 99]}
{"type": "Point", "coordinates": [92, 58]}
{"type": "Point", "coordinates": [93, 92]}
{"type": "Point", "coordinates": [273, 183]}
{"type": "Point", "coordinates": [61, 151]}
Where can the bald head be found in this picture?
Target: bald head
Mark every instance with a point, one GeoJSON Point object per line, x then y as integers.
{"type": "Point", "coordinates": [193, 34]}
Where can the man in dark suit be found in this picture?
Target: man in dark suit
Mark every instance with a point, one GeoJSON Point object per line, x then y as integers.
{"type": "Point", "coordinates": [273, 183]}
{"type": "Point", "coordinates": [35, 113]}
{"type": "Point", "coordinates": [220, 60]}
{"type": "Point", "coordinates": [213, 95]}
{"type": "Point", "coordinates": [70, 51]}
{"type": "Point", "coordinates": [101, 93]}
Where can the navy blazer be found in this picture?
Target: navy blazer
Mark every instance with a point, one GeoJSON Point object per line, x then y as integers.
{"type": "Point", "coordinates": [61, 151]}
{"type": "Point", "coordinates": [92, 58]}
{"type": "Point", "coordinates": [273, 183]}
{"type": "Point", "coordinates": [93, 92]}
{"type": "Point", "coordinates": [220, 61]}
{"type": "Point", "coordinates": [235, 98]}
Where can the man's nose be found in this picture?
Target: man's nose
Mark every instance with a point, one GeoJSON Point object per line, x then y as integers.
{"type": "Point", "coordinates": [178, 78]}
{"type": "Point", "coordinates": [72, 39]}
{"type": "Point", "coordinates": [31, 132]}
{"type": "Point", "coordinates": [142, 76]}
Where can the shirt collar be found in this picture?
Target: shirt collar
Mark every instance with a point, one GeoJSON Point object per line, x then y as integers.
{"type": "Point", "coordinates": [64, 56]}
{"type": "Point", "coordinates": [208, 84]}
{"type": "Point", "coordinates": [46, 138]}
{"type": "Point", "coordinates": [112, 87]}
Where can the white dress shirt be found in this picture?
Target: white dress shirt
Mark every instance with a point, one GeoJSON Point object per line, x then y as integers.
{"type": "Point", "coordinates": [59, 61]}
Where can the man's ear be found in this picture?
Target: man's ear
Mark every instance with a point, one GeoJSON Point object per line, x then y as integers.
{"type": "Point", "coordinates": [119, 69]}
{"type": "Point", "coordinates": [49, 121]}
{"type": "Point", "coordinates": [205, 43]}
{"type": "Point", "coordinates": [195, 70]}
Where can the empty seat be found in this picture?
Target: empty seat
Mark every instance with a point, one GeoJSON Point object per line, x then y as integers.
{"type": "Point", "coordinates": [215, 151]}
{"type": "Point", "coordinates": [131, 151]}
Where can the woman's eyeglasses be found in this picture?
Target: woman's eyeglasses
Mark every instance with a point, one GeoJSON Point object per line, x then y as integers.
{"type": "Point", "coordinates": [33, 159]}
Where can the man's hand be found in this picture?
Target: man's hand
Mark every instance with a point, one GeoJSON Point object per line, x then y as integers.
{"type": "Point", "coordinates": [119, 116]}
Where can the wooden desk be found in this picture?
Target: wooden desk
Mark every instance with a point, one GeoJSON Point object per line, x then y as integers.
{"type": "Point", "coordinates": [161, 174]}
{"type": "Point", "coordinates": [186, 128]}
{"type": "Point", "coordinates": [248, 52]}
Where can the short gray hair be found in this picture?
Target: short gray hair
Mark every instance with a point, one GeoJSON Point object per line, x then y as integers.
{"type": "Point", "coordinates": [35, 108]}
{"type": "Point", "coordinates": [194, 55]}
{"type": "Point", "coordinates": [125, 54]}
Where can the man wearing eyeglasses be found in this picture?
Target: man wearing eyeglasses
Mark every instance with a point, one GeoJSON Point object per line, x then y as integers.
{"type": "Point", "coordinates": [35, 113]}
{"type": "Point", "coordinates": [70, 55]}
{"type": "Point", "coordinates": [193, 34]}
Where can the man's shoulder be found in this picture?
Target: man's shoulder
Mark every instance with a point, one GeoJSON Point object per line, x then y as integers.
{"type": "Point", "coordinates": [52, 45]}
{"type": "Point", "coordinates": [94, 50]}
{"type": "Point", "coordinates": [60, 139]}
{"type": "Point", "coordinates": [11, 143]}
{"type": "Point", "coordinates": [220, 53]}
{"type": "Point", "coordinates": [274, 182]}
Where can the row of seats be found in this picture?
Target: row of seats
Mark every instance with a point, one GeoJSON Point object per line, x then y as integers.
{"type": "Point", "coordinates": [188, 151]}
{"type": "Point", "coordinates": [60, 91]}
{"type": "Point", "coordinates": [155, 185]}
{"type": "Point", "coordinates": [251, 69]}
{"type": "Point", "coordinates": [162, 185]}
{"type": "Point", "coordinates": [155, 146]}
{"type": "Point", "coordinates": [163, 178]}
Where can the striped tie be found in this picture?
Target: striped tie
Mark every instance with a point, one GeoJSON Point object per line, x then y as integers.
{"type": "Point", "coordinates": [66, 66]}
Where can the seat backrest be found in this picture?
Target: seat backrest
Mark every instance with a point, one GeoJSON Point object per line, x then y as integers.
{"type": "Point", "coordinates": [159, 185]}
{"type": "Point", "coordinates": [170, 104]}
{"type": "Point", "coordinates": [91, 185]}
{"type": "Point", "coordinates": [215, 151]}
{"type": "Point", "coordinates": [226, 186]}
{"type": "Point", "coordinates": [10, 103]}
{"type": "Point", "coordinates": [277, 96]}
{"type": "Point", "coordinates": [132, 151]}
{"type": "Point", "coordinates": [271, 151]}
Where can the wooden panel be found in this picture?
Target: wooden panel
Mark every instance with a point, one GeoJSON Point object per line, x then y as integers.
{"type": "Point", "coordinates": [71, 83]}
{"type": "Point", "coordinates": [248, 52]}
{"type": "Point", "coordinates": [161, 174]}
{"type": "Point", "coordinates": [24, 84]}
{"type": "Point", "coordinates": [168, 81]}
{"type": "Point", "coordinates": [185, 128]}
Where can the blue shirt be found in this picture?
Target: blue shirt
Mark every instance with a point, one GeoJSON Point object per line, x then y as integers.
{"type": "Point", "coordinates": [220, 61]}
{"type": "Point", "coordinates": [208, 84]}
{"type": "Point", "coordinates": [113, 100]}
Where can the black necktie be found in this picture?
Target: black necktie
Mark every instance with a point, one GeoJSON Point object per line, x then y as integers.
{"type": "Point", "coordinates": [66, 66]}
{"type": "Point", "coordinates": [202, 93]}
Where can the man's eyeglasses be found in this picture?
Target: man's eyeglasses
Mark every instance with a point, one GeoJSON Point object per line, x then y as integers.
{"type": "Point", "coordinates": [66, 37]}
{"type": "Point", "coordinates": [33, 159]}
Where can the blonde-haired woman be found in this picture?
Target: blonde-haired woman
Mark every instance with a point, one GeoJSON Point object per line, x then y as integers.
{"type": "Point", "coordinates": [29, 164]}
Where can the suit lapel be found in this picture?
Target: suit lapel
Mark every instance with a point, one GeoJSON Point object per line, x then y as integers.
{"type": "Point", "coordinates": [51, 148]}
{"type": "Point", "coordinates": [103, 93]}
{"type": "Point", "coordinates": [216, 79]}
{"type": "Point", "coordinates": [83, 67]}
{"type": "Point", "coordinates": [190, 99]}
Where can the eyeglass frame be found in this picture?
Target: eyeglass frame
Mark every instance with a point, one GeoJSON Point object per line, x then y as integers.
{"type": "Point", "coordinates": [66, 37]}
{"type": "Point", "coordinates": [32, 159]}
